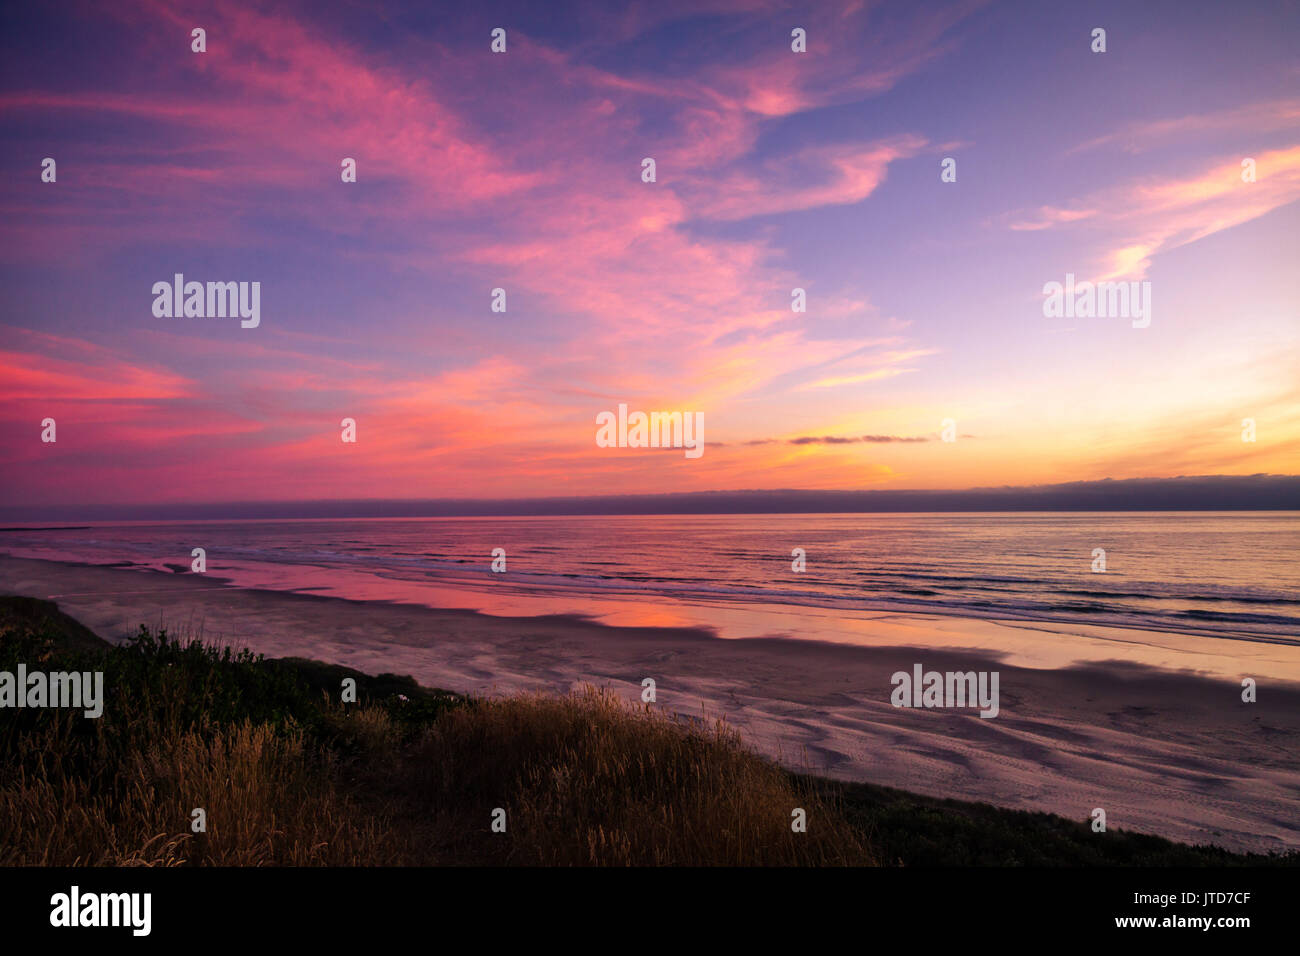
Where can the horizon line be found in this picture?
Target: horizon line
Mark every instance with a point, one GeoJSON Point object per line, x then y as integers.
{"type": "Point", "coordinates": [1259, 492]}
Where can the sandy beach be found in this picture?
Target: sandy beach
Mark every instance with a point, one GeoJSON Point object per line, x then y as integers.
{"type": "Point", "coordinates": [1168, 749]}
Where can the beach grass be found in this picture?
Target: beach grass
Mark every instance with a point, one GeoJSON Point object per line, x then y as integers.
{"type": "Point", "coordinates": [286, 773]}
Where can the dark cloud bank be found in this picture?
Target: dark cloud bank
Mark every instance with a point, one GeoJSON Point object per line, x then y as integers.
{"type": "Point", "coordinates": [1210, 493]}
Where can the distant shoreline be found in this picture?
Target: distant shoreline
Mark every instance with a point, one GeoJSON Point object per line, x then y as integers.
{"type": "Point", "coordinates": [1245, 493]}
{"type": "Point", "coordinates": [53, 527]}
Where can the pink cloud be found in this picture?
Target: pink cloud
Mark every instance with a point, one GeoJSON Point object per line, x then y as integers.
{"type": "Point", "coordinates": [559, 217]}
{"type": "Point", "coordinates": [1048, 216]}
{"type": "Point", "coordinates": [841, 175]}
{"type": "Point", "coordinates": [1137, 221]}
{"type": "Point", "coordinates": [82, 372]}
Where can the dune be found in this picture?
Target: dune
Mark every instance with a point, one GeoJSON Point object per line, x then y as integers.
{"type": "Point", "coordinates": [1158, 738]}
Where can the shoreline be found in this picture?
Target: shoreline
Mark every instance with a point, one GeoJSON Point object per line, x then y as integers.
{"type": "Point", "coordinates": [967, 569]}
{"type": "Point", "coordinates": [1170, 753]}
{"type": "Point", "coordinates": [1038, 642]}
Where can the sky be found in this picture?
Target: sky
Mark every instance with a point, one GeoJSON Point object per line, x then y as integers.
{"type": "Point", "coordinates": [522, 170]}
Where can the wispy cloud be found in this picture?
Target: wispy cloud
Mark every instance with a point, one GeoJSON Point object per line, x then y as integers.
{"type": "Point", "coordinates": [1130, 224]}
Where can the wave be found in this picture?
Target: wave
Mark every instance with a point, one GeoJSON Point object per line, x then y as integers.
{"type": "Point", "coordinates": [958, 576]}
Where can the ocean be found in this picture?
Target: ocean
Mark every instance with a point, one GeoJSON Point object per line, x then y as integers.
{"type": "Point", "coordinates": [1211, 574]}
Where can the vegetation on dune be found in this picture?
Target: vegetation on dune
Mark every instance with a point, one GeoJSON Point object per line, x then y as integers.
{"type": "Point", "coordinates": [289, 775]}
{"type": "Point", "coordinates": [908, 829]}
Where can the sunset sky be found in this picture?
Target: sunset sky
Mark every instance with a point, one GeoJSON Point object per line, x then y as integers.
{"type": "Point", "coordinates": [775, 170]}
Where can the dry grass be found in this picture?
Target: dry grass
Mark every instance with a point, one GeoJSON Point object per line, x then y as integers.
{"type": "Point", "coordinates": [288, 775]}
{"type": "Point", "coordinates": [584, 780]}
{"type": "Point", "coordinates": [590, 780]}
{"type": "Point", "coordinates": [268, 802]}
